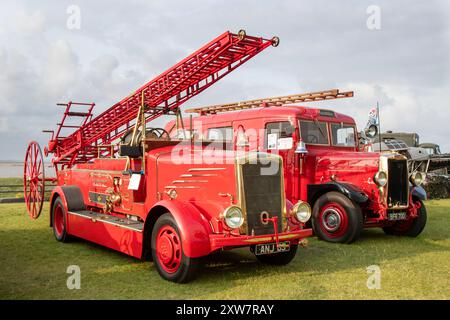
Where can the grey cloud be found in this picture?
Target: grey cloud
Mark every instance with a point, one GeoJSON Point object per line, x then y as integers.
{"type": "Point", "coordinates": [324, 44]}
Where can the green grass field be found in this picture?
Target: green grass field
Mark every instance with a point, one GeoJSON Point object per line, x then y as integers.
{"type": "Point", "coordinates": [33, 266]}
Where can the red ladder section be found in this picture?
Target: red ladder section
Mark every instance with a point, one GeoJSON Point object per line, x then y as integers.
{"type": "Point", "coordinates": [162, 95]}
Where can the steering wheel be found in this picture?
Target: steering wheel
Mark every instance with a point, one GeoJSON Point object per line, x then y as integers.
{"type": "Point", "coordinates": [155, 133]}
{"type": "Point", "coordinates": [311, 138]}
{"type": "Point", "coordinates": [158, 133]}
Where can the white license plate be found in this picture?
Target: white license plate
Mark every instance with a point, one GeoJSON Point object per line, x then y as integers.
{"type": "Point", "coordinates": [394, 216]}
{"type": "Point", "coordinates": [269, 248]}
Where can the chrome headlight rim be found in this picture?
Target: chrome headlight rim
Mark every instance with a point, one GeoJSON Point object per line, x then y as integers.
{"type": "Point", "coordinates": [417, 178]}
{"type": "Point", "coordinates": [380, 178]}
{"type": "Point", "coordinates": [228, 216]}
{"type": "Point", "coordinates": [301, 211]}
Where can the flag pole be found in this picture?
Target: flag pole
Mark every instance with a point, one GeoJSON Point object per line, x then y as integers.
{"type": "Point", "coordinates": [379, 125]}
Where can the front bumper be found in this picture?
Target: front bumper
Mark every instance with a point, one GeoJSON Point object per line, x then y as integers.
{"type": "Point", "coordinates": [220, 241]}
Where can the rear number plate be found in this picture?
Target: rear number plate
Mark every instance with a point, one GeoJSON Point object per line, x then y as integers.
{"type": "Point", "coordinates": [268, 248]}
{"type": "Point", "coordinates": [394, 216]}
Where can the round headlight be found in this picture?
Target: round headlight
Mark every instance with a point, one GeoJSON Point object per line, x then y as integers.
{"type": "Point", "coordinates": [380, 178]}
{"type": "Point", "coordinates": [302, 211]}
{"type": "Point", "coordinates": [417, 178]}
{"type": "Point", "coordinates": [233, 217]}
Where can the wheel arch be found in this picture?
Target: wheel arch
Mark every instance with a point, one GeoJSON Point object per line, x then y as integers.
{"type": "Point", "coordinates": [354, 193]}
{"type": "Point", "coordinates": [193, 227]}
{"type": "Point", "coordinates": [71, 196]}
{"type": "Point", "coordinates": [419, 193]}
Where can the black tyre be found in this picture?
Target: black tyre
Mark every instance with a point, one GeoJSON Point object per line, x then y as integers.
{"type": "Point", "coordinates": [59, 221]}
{"type": "Point", "coordinates": [167, 252]}
{"type": "Point", "coordinates": [409, 228]}
{"type": "Point", "coordinates": [278, 259]}
{"type": "Point", "coordinates": [336, 218]}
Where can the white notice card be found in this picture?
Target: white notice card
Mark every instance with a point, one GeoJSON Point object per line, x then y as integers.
{"type": "Point", "coordinates": [285, 143]}
{"type": "Point", "coordinates": [134, 181]}
{"type": "Point", "coordinates": [272, 141]}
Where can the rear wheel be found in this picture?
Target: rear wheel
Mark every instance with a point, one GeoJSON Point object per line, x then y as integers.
{"type": "Point", "coordinates": [279, 259]}
{"type": "Point", "coordinates": [411, 227]}
{"type": "Point", "coordinates": [167, 252]}
{"type": "Point", "coordinates": [336, 218]}
{"type": "Point", "coordinates": [59, 221]}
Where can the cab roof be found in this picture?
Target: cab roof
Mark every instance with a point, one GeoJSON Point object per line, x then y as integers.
{"type": "Point", "coordinates": [280, 112]}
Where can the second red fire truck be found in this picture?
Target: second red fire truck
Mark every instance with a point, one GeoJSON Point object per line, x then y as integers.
{"type": "Point", "coordinates": [348, 189]}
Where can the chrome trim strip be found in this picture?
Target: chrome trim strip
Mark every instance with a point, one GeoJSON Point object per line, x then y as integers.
{"type": "Point", "coordinates": [118, 172]}
{"type": "Point", "coordinates": [281, 237]}
{"type": "Point", "coordinates": [205, 169]}
{"type": "Point", "coordinates": [100, 219]}
{"type": "Point", "coordinates": [186, 175]}
{"type": "Point", "coordinates": [190, 181]}
{"type": "Point", "coordinates": [182, 187]}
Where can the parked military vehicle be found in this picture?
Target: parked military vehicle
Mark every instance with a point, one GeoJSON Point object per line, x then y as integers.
{"type": "Point", "coordinates": [418, 158]}
{"type": "Point", "coordinates": [439, 162]}
{"type": "Point", "coordinates": [437, 184]}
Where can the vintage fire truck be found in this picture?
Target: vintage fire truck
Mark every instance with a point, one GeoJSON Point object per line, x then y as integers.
{"type": "Point", "coordinates": [127, 186]}
{"type": "Point", "coordinates": [348, 189]}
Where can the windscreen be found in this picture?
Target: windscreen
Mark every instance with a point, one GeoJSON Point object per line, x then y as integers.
{"type": "Point", "coordinates": [343, 135]}
{"type": "Point", "coordinates": [314, 132]}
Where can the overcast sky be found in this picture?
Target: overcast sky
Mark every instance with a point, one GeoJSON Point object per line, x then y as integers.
{"type": "Point", "coordinates": [404, 65]}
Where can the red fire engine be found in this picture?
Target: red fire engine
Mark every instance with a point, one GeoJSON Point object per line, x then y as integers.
{"type": "Point", "coordinates": [349, 189]}
{"type": "Point", "coordinates": [123, 185]}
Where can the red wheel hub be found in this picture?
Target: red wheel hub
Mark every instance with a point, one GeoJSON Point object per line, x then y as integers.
{"type": "Point", "coordinates": [58, 220]}
{"type": "Point", "coordinates": [168, 249]}
{"type": "Point", "coordinates": [333, 220]}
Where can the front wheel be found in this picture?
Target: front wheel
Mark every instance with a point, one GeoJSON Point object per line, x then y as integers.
{"type": "Point", "coordinates": [336, 218]}
{"type": "Point", "coordinates": [411, 227]}
{"type": "Point", "coordinates": [278, 259]}
{"type": "Point", "coordinates": [167, 252]}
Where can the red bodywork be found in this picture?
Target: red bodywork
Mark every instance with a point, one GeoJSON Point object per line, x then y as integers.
{"type": "Point", "coordinates": [322, 163]}
{"type": "Point", "coordinates": [204, 191]}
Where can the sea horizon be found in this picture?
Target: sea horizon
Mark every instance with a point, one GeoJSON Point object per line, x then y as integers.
{"type": "Point", "coordinates": [14, 169]}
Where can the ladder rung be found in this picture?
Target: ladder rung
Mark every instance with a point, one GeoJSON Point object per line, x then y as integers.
{"type": "Point", "coordinates": [78, 114]}
{"type": "Point", "coordinates": [66, 126]}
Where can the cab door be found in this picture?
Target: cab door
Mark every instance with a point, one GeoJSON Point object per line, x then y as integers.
{"type": "Point", "coordinates": [279, 138]}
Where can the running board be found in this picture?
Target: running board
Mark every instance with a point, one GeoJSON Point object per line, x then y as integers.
{"type": "Point", "coordinates": [106, 218]}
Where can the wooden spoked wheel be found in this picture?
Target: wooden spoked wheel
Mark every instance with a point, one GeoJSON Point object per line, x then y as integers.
{"type": "Point", "coordinates": [34, 180]}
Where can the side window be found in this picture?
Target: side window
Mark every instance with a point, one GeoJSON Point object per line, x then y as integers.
{"type": "Point", "coordinates": [314, 132]}
{"type": "Point", "coordinates": [220, 134]}
{"type": "Point", "coordinates": [278, 135]}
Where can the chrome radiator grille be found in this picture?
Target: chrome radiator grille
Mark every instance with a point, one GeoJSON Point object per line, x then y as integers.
{"type": "Point", "coordinates": [398, 186]}
{"type": "Point", "coordinates": [262, 192]}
